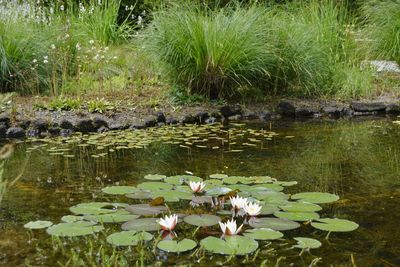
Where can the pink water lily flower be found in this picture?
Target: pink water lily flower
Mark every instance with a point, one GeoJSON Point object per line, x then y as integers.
{"type": "Point", "coordinates": [230, 227]}
{"type": "Point", "coordinates": [252, 209]}
{"type": "Point", "coordinates": [169, 222]}
{"type": "Point", "coordinates": [197, 187]}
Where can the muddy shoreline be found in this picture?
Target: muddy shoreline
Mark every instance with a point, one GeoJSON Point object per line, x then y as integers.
{"type": "Point", "coordinates": [24, 121]}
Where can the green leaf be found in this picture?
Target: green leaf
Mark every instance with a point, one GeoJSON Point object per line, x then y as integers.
{"type": "Point", "coordinates": [154, 186]}
{"type": "Point", "coordinates": [139, 194]}
{"type": "Point", "coordinates": [203, 220]}
{"type": "Point", "coordinates": [118, 190]}
{"type": "Point", "coordinates": [216, 191]}
{"type": "Point", "coordinates": [335, 225]}
{"type": "Point", "coordinates": [96, 208]}
{"type": "Point", "coordinates": [79, 228]}
{"type": "Point", "coordinates": [146, 209]}
{"type": "Point", "coordinates": [38, 224]}
{"type": "Point", "coordinates": [316, 197]}
{"type": "Point", "coordinates": [128, 238]}
{"type": "Point", "coordinates": [300, 207]}
{"type": "Point", "coordinates": [263, 234]}
{"type": "Point", "coordinates": [71, 218]}
{"type": "Point", "coordinates": [307, 243]}
{"type": "Point", "coordinates": [116, 217]}
{"type": "Point", "coordinates": [297, 216]}
{"type": "Point", "coordinates": [177, 247]}
{"type": "Point", "coordinates": [155, 177]}
{"type": "Point", "coordinates": [232, 245]}
{"type": "Point", "coordinates": [218, 176]}
{"type": "Point", "coordinates": [274, 224]}
{"type": "Point", "coordinates": [145, 224]}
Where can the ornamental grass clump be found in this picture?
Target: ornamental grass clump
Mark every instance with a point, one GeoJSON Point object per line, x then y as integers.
{"type": "Point", "coordinates": [211, 52]}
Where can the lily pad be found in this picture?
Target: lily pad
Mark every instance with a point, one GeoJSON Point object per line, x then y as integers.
{"type": "Point", "coordinates": [146, 209]}
{"type": "Point", "coordinates": [128, 238]}
{"type": "Point", "coordinates": [154, 186]}
{"type": "Point", "coordinates": [274, 224]}
{"type": "Point", "coordinates": [300, 207]}
{"type": "Point", "coordinates": [145, 224]}
{"type": "Point", "coordinates": [218, 176]}
{"type": "Point", "coordinates": [71, 218]}
{"type": "Point", "coordinates": [38, 224]}
{"type": "Point", "coordinates": [297, 216]}
{"type": "Point", "coordinates": [274, 187]}
{"type": "Point", "coordinates": [316, 197]}
{"type": "Point", "coordinates": [216, 191]}
{"type": "Point", "coordinates": [154, 177]}
{"type": "Point", "coordinates": [306, 243]}
{"type": "Point", "coordinates": [118, 216]}
{"type": "Point", "coordinates": [335, 225]}
{"type": "Point", "coordinates": [267, 209]}
{"type": "Point", "coordinates": [180, 179]}
{"type": "Point", "coordinates": [177, 246]}
{"type": "Point", "coordinates": [172, 195]}
{"type": "Point", "coordinates": [203, 220]}
{"type": "Point", "coordinates": [232, 245]}
{"type": "Point", "coordinates": [233, 179]}
{"type": "Point", "coordinates": [139, 194]}
{"type": "Point", "coordinates": [118, 190]}
{"type": "Point", "coordinates": [263, 234]}
{"type": "Point", "coordinates": [79, 228]}
{"type": "Point", "coordinates": [96, 208]}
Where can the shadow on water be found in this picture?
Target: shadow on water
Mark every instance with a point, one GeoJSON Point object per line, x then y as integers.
{"type": "Point", "coordinates": [358, 160]}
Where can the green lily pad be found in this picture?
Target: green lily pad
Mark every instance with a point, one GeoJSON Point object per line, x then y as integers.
{"type": "Point", "coordinates": [263, 234]}
{"type": "Point", "coordinates": [180, 179]}
{"type": "Point", "coordinates": [300, 207]}
{"type": "Point", "coordinates": [267, 209]}
{"type": "Point", "coordinates": [118, 190]}
{"type": "Point", "coordinates": [335, 225]}
{"type": "Point", "coordinates": [269, 196]}
{"type": "Point", "coordinates": [154, 186]}
{"type": "Point", "coordinates": [116, 217]}
{"type": "Point", "coordinates": [146, 209]}
{"type": "Point", "coordinates": [155, 177]}
{"type": "Point", "coordinates": [96, 208]}
{"type": "Point", "coordinates": [177, 246]}
{"type": "Point", "coordinates": [128, 238]}
{"type": "Point", "coordinates": [218, 176]}
{"type": "Point", "coordinates": [203, 220]}
{"type": "Point", "coordinates": [316, 197]}
{"type": "Point", "coordinates": [139, 194]}
{"type": "Point", "coordinates": [233, 179]}
{"type": "Point", "coordinates": [289, 183]}
{"type": "Point", "coordinates": [307, 243]}
{"type": "Point", "coordinates": [71, 218]}
{"type": "Point", "coordinates": [232, 245]}
{"type": "Point", "coordinates": [224, 212]}
{"type": "Point", "coordinates": [216, 191]}
{"type": "Point", "coordinates": [79, 228]}
{"type": "Point", "coordinates": [145, 224]}
{"type": "Point", "coordinates": [38, 224]}
{"type": "Point", "coordinates": [171, 195]}
{"type": "Point", "coordinates": [274, 187]}
{"type": "Point", "coordinates": [274, 224]}
{"type": "Point", "coordinates": [297, 216]}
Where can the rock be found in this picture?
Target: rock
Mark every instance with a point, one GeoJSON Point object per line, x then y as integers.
{"type": "Point", "coordinates": [3, 131]}
{"type": "Point", "coordinates": [230, 110]}
{"type": "Point", "coordinates": [33, 133]}
{"type": "Point", "coordinates": [150, 122]}
{"type": "Point", "coordinates": [65, 124]}
{"type": "Point", "coordinates": [84, 126]}
{"type": "Point", "coordinates": [286, 108]}
{"type": "Point", "coordinates": [201, 117]}
{"type": "Point", "coordinates": [216, 115]}
{"type": "Point", "coordinates": [188, 119]}
{"type": "Point", "coordinates": [118, 126]}
{"type": "Point", "coordinates": [40, 124]}
{"type": "Point", "coordinates": [265, 115]}
{"type": "Point", "coordinates": [103, 129]}
{"type": "Point", "coordinates": [382, 66]}
{"type": "Point", "coordinates": [160, 117]}
{"type": "Point", "coordinates": [16, 132]}
{"type": "Point", "coordinates": [172, 121]}
{"type": "Point", "coordinates": [305, 112]}
{"type": "Point", "coordinates": [137, 126]}
{"type": "Point", "coordinates": [360, 106]}
{"type": "Point", "coordinates": [66, 132]}
{"type": "Point", "coordinates": [250, 116]}
{"type": "Point", "coordinates": [5, 119]}
{"type": "Point", "coordinates": [24, 124]}
{"type": "Point", "coordinates": [393, 109]}
{"type": "Point", "coordinates": [99, 122]}
{"type": "Point", "coordinates": [237, 117]}
{"type": "Point", "coordinates": [332, 111]}
{"type": "Point", "coordinates": [54, 131]}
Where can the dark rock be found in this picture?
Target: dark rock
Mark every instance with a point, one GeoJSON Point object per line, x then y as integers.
{"type": "Point", "coordinates": [65, 124]}
{"type": "Point", "coordinates": [118, 126]}
{"type": "Point", "coordinates": [3, 131]}
{"type": "Point", "coordinates": [160, 124]}
{"type": "Point", "coordinates": [230, 110]}
{"type": "Point", "coordinates": [359, 106]}
{"type": "Point", "coordinates": [161, 117]}
{"type": "Point", "coordinates": [137, 126]}
{"type": "Point", "coordinates": [66, 132]}
{"type": "Point", "coordinates": [393, 109]}
{"type": "Point", "coordinates": [265, 115]}
{"type": "Point", "coordinates": [15, 132]}
{"type": "Point", "coordinates": [202, 116]}
{"type": "Point", "coordinates": [33, 133]}
{"type": "Point", "coordinates": [210, 120]}
{"type": "Point", "coordinates": [54, 131]}
{"type": "Point", "coordinates": [216, 115]}
{"type": "Point", "coordinates": [5, 119]}
{"type": "Point", "coordinates": [103, 129]}
{"type": "Point", "coordinates": [250, 116]}
{"type": "Point", "coordinates": [305, 112]}
{"type": "Point", "coordinates": [171, 121]}
{"type": "Point", "coordinates": [188, 119]}
{"type": "Point", "coordinates": [24, 124]}
{"type": "Point", "coordinates": [347, 112]}
{"type": "Point", "coordinates": [286, 108]}
{"type": "Point", "coordinates": [84, 126]}
{"type": "Point", "coordinates": [332, 111]}
{"type": "Point", "coordinates": [99, 122]}
{"type": "Point", "coordinates": [40, 124]}
{"type": "Point", "coordinates": [237, 117]}
{"type": "Point", "coordinates": [150, 122]}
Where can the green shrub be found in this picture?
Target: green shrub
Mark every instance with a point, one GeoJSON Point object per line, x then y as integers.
{"type": "Point", "coordinates": [210, 52]}
{"type": "Point", "coordinates": [382, 19]}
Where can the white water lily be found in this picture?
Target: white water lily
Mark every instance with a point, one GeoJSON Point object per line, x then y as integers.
{"type": "Point", "coordinates": [197, 186]}
{"type": "Point", "coordinates": [230, 227]}
{"type": "Point", "coordinates": [238, 202]}
{"type": "Point", "coordinates": [252, 209]}
{"type": "Point", "coordinates": [169, 222]}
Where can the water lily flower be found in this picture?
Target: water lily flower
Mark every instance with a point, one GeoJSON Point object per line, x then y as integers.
{"type": "Point", "coordinates": [230, 228]}
{"type": "Point", "coordinates": [252, 209]}
{"type": "Point", "coordinates": [238, 202]}
{"type": "Point", "coordinates": [169, 222]}
{"type": "Point", "coordinates": [197, 187]}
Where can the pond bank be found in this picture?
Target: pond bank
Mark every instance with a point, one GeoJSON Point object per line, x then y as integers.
{"type": "Point", "coordinates": [24, 121]}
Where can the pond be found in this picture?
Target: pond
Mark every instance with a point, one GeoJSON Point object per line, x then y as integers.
{"type": "Point", "coordinates": [359, 161]}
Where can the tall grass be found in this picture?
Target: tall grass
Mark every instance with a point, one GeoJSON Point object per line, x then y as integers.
{"type": "Point", "coordinates": [382, 26]}
{"type": "Point", "coordinates": [211, 52]}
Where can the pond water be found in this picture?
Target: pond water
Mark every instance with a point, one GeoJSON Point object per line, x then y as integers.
{"type": "Point", "coordinates": [357, 160]}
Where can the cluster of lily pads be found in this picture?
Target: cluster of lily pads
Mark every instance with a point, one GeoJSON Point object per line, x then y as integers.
{"type": "Point", "coordinates": [239, 212]}
{"type": "Point", "coordinates": [210, 136]}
